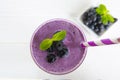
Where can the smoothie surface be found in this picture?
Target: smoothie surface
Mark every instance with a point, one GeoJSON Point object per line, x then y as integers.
{"type": "Point", "coordinates": [72, 40]}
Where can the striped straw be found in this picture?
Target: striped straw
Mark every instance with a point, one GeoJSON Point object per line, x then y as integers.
{"type": "Point", "coordinates": [101, 42]}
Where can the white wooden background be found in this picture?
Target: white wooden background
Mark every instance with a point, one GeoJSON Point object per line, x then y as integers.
{"type": "Point", "coordinates": [19, 19]}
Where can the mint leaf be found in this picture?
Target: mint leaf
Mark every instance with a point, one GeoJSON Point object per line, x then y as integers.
{"type": "Point", "coordinates": [105, 16]}
{"type": "Point", "coordinates": [104, 19]}
{"type": "Point", "coordinates": [59, 35]}
{"type": "Point", "coordinates": [110, 18]}
{"type": "Point", "coordinates": [101, 9]}
{"type": "Point", "coordinates": [45, 44]}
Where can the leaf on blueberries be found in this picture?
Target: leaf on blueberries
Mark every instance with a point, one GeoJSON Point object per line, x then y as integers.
{"type": "Point", "coordinates": [105, 16]}
{"type": "Point", "coordinates": [110, 18]}
{"type": "Point", "coordinates": [104, 19]}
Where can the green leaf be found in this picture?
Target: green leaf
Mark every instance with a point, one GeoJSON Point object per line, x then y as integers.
{"type": "Point", "coordinates": [59, 35]}
{"type": "Point", "coordinates": [101, 9]}
{"type": "Point", "coordinates": [110, 18]}
{"type": "Point", "coordinates": [45, 44]}
{"type": "Point", "coordinates": [104, 19]}
{"type": "Point", "coordinates": [103, 12]}
{"type": "Point", "coordinates": [107, 18]}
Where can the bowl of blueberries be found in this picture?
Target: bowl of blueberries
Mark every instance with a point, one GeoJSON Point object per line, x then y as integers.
{"type": "Point", "coordinates": [97, 19]}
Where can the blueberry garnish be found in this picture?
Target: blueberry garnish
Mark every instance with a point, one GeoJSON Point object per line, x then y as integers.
{"type": "Point", "coordinates": [59, 45]}
{"type": "Point", "coordinates": [51, 58]}
{"type": "Point", "coordinates": [58, 49]}
{"type": "Point", "coordinates": [62, 53]}
{"type": "Point", "coordinates": [54, 45]}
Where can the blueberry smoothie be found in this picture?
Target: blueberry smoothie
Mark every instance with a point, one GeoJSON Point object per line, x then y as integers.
{"type": "Point", "coordinates": [63, 56]}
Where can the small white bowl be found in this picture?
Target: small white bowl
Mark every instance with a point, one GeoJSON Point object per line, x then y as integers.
{"type": "Point", "coordinates": [87, 29]}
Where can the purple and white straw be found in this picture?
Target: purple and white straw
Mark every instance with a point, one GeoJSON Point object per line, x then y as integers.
{"type": "Point", "coordinates": [101, 42]}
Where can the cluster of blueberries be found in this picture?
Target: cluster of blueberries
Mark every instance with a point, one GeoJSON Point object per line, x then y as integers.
{"type": "Point", "coordinates": [93, 20]}
{"type": "Point", "coordinates": [58, 49]}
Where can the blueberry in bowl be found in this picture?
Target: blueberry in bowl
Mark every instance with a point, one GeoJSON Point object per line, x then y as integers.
{"type": "Point", "coordinates": [98, 19]}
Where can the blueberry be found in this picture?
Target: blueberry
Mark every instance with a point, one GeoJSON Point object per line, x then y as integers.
{"type": "Point", "coordinates": [59, 45]}
{"type": "Point", "coordinates": [97, 29]}
{"type": "Point", "coordinates": [51, 49]}
{"type": "Point", "coordinates": [95, 23]}
{"type": "Point", "coordinates": [93, 18]}
{"type": "Point", "coordinates": [91, 26]}
{"type": "Point", "coordinates": [107, 25]}
{"type": "Point", "coordinates": [100, 25]}
{"type": "Point", "coordinates": [91, 12]}
{"type": "Point", "coordinates": [86, 23]}
{"type": "Point", "coordinates": [89, 22]}
{"type": "Point", "coordinates": [102, 30]}
{"type": "Point", "coordinates": [51, 58]}
{"type": "Point", "coordinates": [98, 17]}
{"type": "Point", "coordinates": [100, 22]}
{"type": "Point", "coordinates": [62, 53]}
{"type": "Point", "coordinates": [85, 15]}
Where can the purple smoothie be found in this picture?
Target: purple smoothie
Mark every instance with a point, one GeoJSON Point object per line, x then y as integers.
{"type": "Point", "coordinates": [74, 37]}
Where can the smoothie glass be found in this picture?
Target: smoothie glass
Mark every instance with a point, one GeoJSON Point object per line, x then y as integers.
{"type": "Point", "coordinates": [74, 38]}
